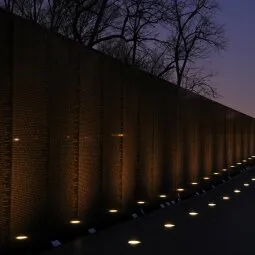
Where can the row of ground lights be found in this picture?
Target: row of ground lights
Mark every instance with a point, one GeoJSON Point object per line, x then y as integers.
{"type": "Point", "coordinates": [192, 213]}
{"type": "Point", "coordinates": [24, 237]}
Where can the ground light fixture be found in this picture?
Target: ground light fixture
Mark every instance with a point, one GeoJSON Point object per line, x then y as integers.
{"type": "Point", "coordinates": [169, 225]}
{"type": "Point", "coordinates": [206, 178]}
{"type": "Point", "coordinates": [75, 221]}
{"type": "Point", "coordinates": [141, 202]}
{"type": "Point", "coordinates": [180, 189]}
{"type": "Point", "coordinates": [212, 204]}
{"type": "Point", "coordinates": [216, 173]}
{"type": "Point", "coordinates": [162, 196]}
{"type": "Point", "coordinates": [226, 198]}
{"type": "Point", "coordinates": [237, 191]}
{"type": "Point", "coordinates": [134, 242]}
{"type": "Point", "coordinates": [246, 184]}
{"type": "Point", "coordinates": [112, 210]}
{"type": "Point", "coordinates": [239, 163]}
{"type": "Point", "coordinates": [253, 179]}
{"type": "Point", "coordinates": [193, 213]}
{"type": "Point", "coordinates": [21, 237]}
{"type": "Point", "coordinates": [194, 183]}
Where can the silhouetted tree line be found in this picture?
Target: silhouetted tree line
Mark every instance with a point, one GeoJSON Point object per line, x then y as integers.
{"type": "Point", "coordinates": [167, 38]}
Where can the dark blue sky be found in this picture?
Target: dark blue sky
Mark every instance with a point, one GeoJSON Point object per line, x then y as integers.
{"type": "Point", "coordinates": [236, 67]}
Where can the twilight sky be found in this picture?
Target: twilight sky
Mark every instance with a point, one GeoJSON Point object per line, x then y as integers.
{"type": "Point", "coordinates": [236, 67]}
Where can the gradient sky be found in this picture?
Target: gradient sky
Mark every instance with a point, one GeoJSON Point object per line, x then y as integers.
{"type": "Point", "coordinates": [235, 80]}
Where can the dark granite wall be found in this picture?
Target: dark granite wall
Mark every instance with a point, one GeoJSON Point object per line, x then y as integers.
{"type": "Point", "coordinates": [81, 133]}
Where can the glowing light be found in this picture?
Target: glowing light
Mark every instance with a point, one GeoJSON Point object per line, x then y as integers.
{"type": "Point", "coordinates": [224, 170]}
{"type": "Point", "coordinates": [21, 237]}
{"type": "Point", "coordinates": [113, 211]}
{"type": "Point", "coordinates": [239, 163]}
{"type": "Point", "coordinates": [244, 160]}
{"type": "Point", "coordinates": [232, 166]}
{"type": "Point", "coordinates": [212, 204]}
{"type": "Point", "coordinates": [140, 202]}
{"type": "Point", "coordinates": [226, 198]}
{"type": "Point", "coordinates": [206, 178]}
{"type": "Point", "coordinates": [193, 213]}
{"type": "Point", "coordinates": [75, 221]}
{"type": "Point", "coordinates": [118, 135]}
{"type": "Point", "coordinates": [249, 158]}
{"type": "Point", "coordinates": [194, 183]}
{"type": "Point", "coordinates": [169, 225]}
{"type": "Point", "coordinates": [180, 189]}
{"type": "Point", "coordinates": [16, 139]}
{"type": "Point", "coordinates": [237, 191]}
{"type": "Point", "coordinates": [134, 242]}
{"type": "Point", "coordinates": [253, 156]}
{"type": "Point", "coordinates": [216, 173]}
{"type": "Point", "coordinates": [246, 185]}
{"type": "Point", "coordinates": [253, 179]}
{"type": "Point", "coordinates": [162, 196]}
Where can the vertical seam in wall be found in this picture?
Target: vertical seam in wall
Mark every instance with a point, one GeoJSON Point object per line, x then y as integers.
{"type": "Point", "coordinates": [78, 91]}
{"type": "Point", "coordinates": [12, 30]}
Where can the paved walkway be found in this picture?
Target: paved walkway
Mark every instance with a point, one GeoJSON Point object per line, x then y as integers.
{"type": "Point", "coordinates": [228, 228]}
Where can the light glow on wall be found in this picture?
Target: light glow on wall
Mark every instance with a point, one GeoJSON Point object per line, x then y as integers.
{"type": "Point", "coordinates": [118, 135]}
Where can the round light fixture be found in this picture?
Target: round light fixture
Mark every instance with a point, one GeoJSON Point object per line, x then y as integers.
{"type": "Point", "coordinates": [134, 242]}
{"type": "Point", "coordinates": [169, 225]}
{"type": "Point", "coordinates": [193, 213]}
{"type": "Point", "coordinates": [21, 237]}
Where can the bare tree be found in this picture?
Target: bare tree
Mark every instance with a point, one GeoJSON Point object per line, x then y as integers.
{"type": "Point", "coordinates": [8, 5]}
{"type": "Point", "coordinates": [30, 9]}
{"type": "Point", "coordinates": [193, 35]}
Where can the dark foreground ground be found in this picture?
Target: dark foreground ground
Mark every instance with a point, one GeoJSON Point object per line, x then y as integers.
{"type": "Point", "coordinates": [228, 228]}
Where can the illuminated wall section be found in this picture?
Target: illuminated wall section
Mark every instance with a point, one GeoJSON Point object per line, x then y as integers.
{"type": "Point", "coordinates": [130, 139]}
{"type": "Point", "coordinates": [64, 121]}
{"type": "Point", "coordinates": [30, 129]}
{"type": "Point", "coordinates": [206, 148]}
{"type": "Point", "coordinates": [172, 140]}
{"type": "Point", "coordinates": [219, 139]}
{"type": "Point", "coordinates": [146, 127]}
{"type": "Point", "coordinates": [189, 127]}
{"type": "Point", "coordinates": [162, 176]}
{"type": "Point", "coordinates": [5, 125]}
{"type": "Point", "coordinates": [90, 135]}
{"type": "Point", "coordinates": [113, 131]}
